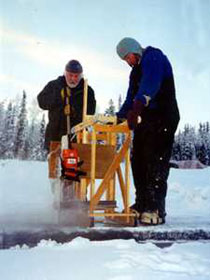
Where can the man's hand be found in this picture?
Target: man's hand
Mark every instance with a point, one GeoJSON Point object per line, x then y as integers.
{"type": "Point", "coordinates": [67, 110]}
{"type": "Point", "coordinates": [134, 115]}
{"type": "Point", "coordinates": [120, 120]}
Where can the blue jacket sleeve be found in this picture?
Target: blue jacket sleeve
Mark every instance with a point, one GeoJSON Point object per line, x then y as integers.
{"type": "Point", "coordinates": [152, 76]}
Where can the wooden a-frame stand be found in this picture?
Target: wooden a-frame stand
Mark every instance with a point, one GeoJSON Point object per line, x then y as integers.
{"type": "Point", "coordinates": [96, 141]}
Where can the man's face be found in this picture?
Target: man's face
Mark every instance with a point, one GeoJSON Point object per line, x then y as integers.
{"type": "Point", "coordinates": [72, 79]}
{"type": "Point", "coordinates": [132, 59]}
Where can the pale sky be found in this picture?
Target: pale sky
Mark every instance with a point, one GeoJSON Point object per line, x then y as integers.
{"type": "Point", "coordinates": [38, 37]}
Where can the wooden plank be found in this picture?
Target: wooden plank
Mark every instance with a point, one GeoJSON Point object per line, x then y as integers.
{"type": "Point", "coordinates": [79, 127]}
{"type": "Point", "coordinates": [83, 185]}
{"type": "Point", "coordinates": [122, 185]}
{"type": "Point", "coordinates": [99, 136]}
{"type": "Point", "coordinates": [112, 128]}
{"type": "Point", "coordinates": [110, 172]}
{"type": "Point", "coordinates": [93, 164]}
{"type": "Point", "coordinates": [102, 205]}
{"type": "Point", "coordinates": [104, 157]}
{"type": "Point", "coordinates": [127, 182]}
{"type": "Point", "coordinates": [115, 214]}
{"type": "Point", "coordinates": [92, 119]}
{"type": "Point", "coordinates": [85, 97]}
{"type": "Point", "coordinates": [82, 189]}
{"type": "Point", "coordinates": [53, 159]}
{"type": "Point", "coordinates": [111, 189]}
{"type": "Point", "coordinates": [102, 118]}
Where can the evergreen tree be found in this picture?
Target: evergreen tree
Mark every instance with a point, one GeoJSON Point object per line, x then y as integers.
{"type": "Point", "coordinates": [32, 140]}
{"type": "Point", "coordinates": [9, 132]}
{"type": "Point", "coordinates": [110, 111]}
{"type": "Point", "coordinates": [119, 102]}
{"type": "Point", "coordinates": [176, 151]}
{"type": "Point", "coordinates": [188, 145]}
{"type": "Point", "coordinates": [20, 140]}
{"type": "Point", "coordinates": [203, 143]}
{"type": "Point", "coordinates": [40, 149]}
{"type": "Point", "coordinates": [2, 113]}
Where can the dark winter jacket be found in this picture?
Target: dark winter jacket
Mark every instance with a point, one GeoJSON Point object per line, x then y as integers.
{"type": "Point", "coordinates": [153, 80]}
{"type": "Point", "coordinates": [50, 99]}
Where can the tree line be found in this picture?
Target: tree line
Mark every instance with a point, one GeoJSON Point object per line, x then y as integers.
{"type": "Point", "coordinates": [22, 136]}
{"type": "Point", "coordinates": [192, 143]}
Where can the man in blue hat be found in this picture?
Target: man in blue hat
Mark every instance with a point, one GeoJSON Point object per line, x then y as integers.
{"type": "Point", "coordinates": [52, 98]}
{"type": "Point", "coordinates": [152, 113]}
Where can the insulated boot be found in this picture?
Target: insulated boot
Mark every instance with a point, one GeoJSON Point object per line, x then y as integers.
{"type": "Point", "coordinates": [151, 218]}
{"type": "Point", "coordinates": [134, 208]}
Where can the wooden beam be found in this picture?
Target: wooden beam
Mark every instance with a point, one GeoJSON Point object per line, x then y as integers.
{"type": "Point", "coordinates": [127, 182]}
{"type": "Point", "coordinates": [122, 185]}
{"type": "Point", "coordinates": [110, 172]}
{"type": "Point", "coordinates": [92, 119]}
{"type": "Point", "coordinates": [112, 128]}
{"type": "Point", "coordinates": [85, 97]}
{"type": "Point", "coordinates": [115, 214]}
{"type": "Point", "coordinates": [93, 164]}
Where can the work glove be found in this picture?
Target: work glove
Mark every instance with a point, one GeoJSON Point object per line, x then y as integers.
{"type": "Point", "coordinates": [134, 115]}
{"type": "Point", "coordinates": [120, 120]}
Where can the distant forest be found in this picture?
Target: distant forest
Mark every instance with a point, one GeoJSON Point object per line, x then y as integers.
{"type": "Point", "coordinates": [22, 134]}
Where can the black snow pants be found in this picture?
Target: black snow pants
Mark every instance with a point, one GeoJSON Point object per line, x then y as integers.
{"type": "Point", "coordinates": [151, 152]}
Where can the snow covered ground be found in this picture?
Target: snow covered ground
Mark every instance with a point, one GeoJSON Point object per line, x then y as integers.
{"type": "Point", "coordinates": [25, 198]}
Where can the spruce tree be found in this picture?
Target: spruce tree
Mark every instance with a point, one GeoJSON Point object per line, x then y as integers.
{"type": "Point", "coordinates": [9, 132]}
{"type": "Point", "coordinates": [20, 140]}
{"type": "Point", "coordinates": [2, 116]}
{"type": "Point", "coordinates": [110, 111]}
{"type": "Point", "coordinates": [40, 149]}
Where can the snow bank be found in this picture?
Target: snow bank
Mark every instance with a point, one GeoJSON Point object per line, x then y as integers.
{"type": "Point", "coordinates": [110, 260]}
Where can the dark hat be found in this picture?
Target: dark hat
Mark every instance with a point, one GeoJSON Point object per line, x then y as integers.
{"type": "Point", "coordinates": [74, 66]}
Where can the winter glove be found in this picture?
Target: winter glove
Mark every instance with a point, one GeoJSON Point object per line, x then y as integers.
{"type": "Point", "coordinates": [133, 116]}
{"type": "Point", "coordinates": [120, 120]}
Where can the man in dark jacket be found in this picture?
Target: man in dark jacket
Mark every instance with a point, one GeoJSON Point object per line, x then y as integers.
{"type": "Point", "coordinates": [152, 112]}
{"type": "Point", "coordinates": [53, 96]}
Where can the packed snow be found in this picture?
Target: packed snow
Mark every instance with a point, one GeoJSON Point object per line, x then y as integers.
{"type": "Point", "coordinates": [26, 198]}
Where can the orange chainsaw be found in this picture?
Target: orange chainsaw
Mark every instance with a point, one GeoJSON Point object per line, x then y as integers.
{"type": "Point", "coordinates": [70, 161]}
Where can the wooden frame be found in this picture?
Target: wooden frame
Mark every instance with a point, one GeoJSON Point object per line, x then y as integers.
{"type": "Point", "coordinates": [97, 145]}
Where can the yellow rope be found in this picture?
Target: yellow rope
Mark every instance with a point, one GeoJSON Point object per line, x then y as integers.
{"type": "Point", "coordinates": [67, 91]}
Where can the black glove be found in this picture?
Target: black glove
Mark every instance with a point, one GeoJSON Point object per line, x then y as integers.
{"type": "Point", "coordinates": [133, 115]}
{"type": "Point", "coordinates": [120, 120]}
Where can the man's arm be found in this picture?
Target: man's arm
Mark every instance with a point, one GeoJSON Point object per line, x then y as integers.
{"type": "Point", "coordinates": [91, 106]}
{"type": "Point", "coordinates": [152, 77]}
{"type": "Point", "coordinates": [49, 98]}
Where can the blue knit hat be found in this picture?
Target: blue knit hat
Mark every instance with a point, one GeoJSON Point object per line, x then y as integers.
{"type": "Point", "coordinates": [128, 45]}
{"type": "Point", "coordinates": [74, 66]}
